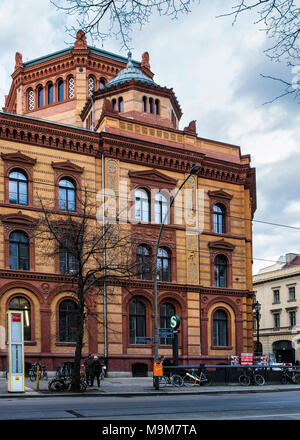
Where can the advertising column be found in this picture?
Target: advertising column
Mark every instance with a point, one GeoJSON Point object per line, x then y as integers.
{"type": "Point", "coordinates": [15, 333]}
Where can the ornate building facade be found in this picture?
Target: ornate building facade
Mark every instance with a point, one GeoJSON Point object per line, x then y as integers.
{"type": "Point", "coordinates": [83, 117]}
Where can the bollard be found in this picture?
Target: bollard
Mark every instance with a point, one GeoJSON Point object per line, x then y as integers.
{"type": "Point", "coordinates": [38, 378]}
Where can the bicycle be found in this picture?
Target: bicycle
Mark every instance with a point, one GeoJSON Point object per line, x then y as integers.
{"type": "Point", "coordinates": [192, 379]}
{"type": "Point", "coordinates": [64, 384]}
{"type": "Point", "coordinates": [33, 372]}
{"type": "Point", "coordinates": [252, 377]}
{"type": "Point", "coordinates": [170, 379]}
{"type": "Point", "coordinates": [289, 375]}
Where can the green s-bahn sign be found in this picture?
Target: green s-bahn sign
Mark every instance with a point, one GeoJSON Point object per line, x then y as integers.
{"type": "Point", "coordinates": [174, 322]}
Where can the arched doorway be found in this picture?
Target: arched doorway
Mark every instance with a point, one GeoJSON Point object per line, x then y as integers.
{"type": "Point", "coordinates": [284, 351]}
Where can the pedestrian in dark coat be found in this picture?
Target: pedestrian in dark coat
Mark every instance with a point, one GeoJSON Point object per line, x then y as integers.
{"type": "Point", "coordinates": [88, 366]}
{"type": "Point", "coordinates": [97, 368]}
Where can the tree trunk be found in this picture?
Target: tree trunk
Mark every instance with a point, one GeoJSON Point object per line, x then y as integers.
{"type": "Point", "coordinates": [75, 384]}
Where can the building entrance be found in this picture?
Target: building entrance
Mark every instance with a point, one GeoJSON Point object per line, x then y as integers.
{"type": "Point", "coordinates": [283, 351]}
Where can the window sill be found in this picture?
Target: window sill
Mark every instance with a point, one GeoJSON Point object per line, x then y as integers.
{"type": "Point", "coordinates": [65, 344]}
{"type": "Point", "coordinates": [30, 343]}
{"type": "Point", "coordinates": [225, 347]}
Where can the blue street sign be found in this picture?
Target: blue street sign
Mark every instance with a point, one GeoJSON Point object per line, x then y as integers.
{"type": "Point", "coordinates": [165, 330]}
{"type": "Point", "coordinates": [142, 340]}
{"type": "Point", "coordinates": [166, 333]}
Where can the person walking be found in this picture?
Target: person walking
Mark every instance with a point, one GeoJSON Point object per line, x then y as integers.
{"type": "Point", "coordinates": [88, 366]}
{"type": "Point", "coordinates": [97, 368]}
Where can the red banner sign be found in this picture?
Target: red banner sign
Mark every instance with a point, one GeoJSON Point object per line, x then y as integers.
{"type": "Point", "coordinates": [246, 358]}
{"type": "Point", "coordinates": [16, 317]}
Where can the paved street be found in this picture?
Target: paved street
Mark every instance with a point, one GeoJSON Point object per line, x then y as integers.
{"type": "Point", "coordinates": [250, 406]}
{"type": "Point", "coordinates": [136, 399]}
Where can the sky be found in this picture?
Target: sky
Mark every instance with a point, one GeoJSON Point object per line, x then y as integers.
{"type": "Point", "coordinates": [214, 69]}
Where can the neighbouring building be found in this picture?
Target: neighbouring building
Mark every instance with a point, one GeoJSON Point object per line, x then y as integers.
{"type": "Point", "coordinates": [86, 117]}
{"type": "Point", "coordinates": [277, 289]}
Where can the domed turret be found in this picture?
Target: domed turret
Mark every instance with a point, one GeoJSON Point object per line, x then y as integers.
{"type": "Point", "coordinates": [130, 72]}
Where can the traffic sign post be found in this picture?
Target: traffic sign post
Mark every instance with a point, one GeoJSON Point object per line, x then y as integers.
{"type": "Point", "coordinates": [175, 323]}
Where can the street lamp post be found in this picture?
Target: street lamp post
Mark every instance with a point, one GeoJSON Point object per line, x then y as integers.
{"type": "Point", "coordinates": [257, 308]}
{"type": "Point", "coordinates": [193, 170]}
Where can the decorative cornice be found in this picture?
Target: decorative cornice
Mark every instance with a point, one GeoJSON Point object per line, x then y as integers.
{"type": "Point", "coordinates": [19, 219]}
{"type": "Point", "coordinates": [220, 194]}
{"type": "Point", "coordinates": [153, 175]}
{"type": "Point", "coordinates": [67, 166]}
{"type": "Point", "coordinates": [221, 245]}
{"type": "Point", "coordinates": [18, 157]}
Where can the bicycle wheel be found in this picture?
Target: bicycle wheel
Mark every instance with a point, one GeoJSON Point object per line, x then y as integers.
{"type": "Point", "coordinates": [297, 378]}
{"type": "Point", "coordinates": [244, 380]}
{"type": "Point", "coordinates": [284, 380]}
{"type": "Point", "coordinates": [259, 379]}
{"type": "Point", "coordinates": [176, 380]}
{"type": "Point", "coordinates": [32, 376]}
{"type": "Point", "coordinates": [189, 381]}
{"type": "Point", "coordinates": [163, 381]}
{"type": "Point", "coordinates": [56, 385]}
{"type": "Point", "coordinates": [83, 384]}
{"type": "Point", "coordinates": [206, 379]}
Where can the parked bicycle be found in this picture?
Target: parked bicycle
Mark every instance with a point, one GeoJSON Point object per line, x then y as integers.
{"type": "Point", "coordinates": [202, 377]}
{"type": "Point", "coordinates": [289, 375]}
{"type": "Point", "coordinates": [64, 383]}
{"type": "Point", "coordinates": [170, 379]}
{"type": "Point", "coordinates": [251, 377]}
{"type": "Point", "coordinates": [33, 372]}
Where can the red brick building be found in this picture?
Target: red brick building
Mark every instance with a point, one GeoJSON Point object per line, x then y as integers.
{"type": "Point", "coordinates": [55, 139]}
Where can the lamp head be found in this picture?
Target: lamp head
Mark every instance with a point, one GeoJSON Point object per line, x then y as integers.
{"type": "Point", "coordinates": [194, 169]}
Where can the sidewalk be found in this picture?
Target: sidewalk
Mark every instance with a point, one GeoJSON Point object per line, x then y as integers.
{"type": "Point", "coordinates": [139, 386]}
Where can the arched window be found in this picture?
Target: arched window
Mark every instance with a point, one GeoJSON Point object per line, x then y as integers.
{"type": "Point", "coordinates": [143, 263]}
{"type": "Point", "coordinates": [219, 218]}
{"type": "Point", "coordinates": [144, 104]}
{"type": "Point", "coordinates": [91, 84]}
{"type": "Point", "coordinates": [67, 260]}
{"type": "Point", "coordinates": [50, 93]}
{"type": "Point", "coordinates": [156, 106]}
{"type": "Point", "coordinates": [30, 99]}
{"type": "Point", "coordinates": [101, 83]}
{"type": "Point", "coordinates": [114, 104]}
{"type": "Point", "coordinates": [40, 93]}
{"type": "Point", "coordinates": [220, 271]}
{"type": "Point", "coordinates": [18, 251]}
{"type": "Point", "coordinates": [220, 329]}
{"type": "Point", "coordinates": [18, 187]}
{"type": "Point", "coordinates": [142, 211]}
{"type": "Point", "coordinates": [137, 320]}
{"type": "Point", "coordinates": [21, 304]}
{"type": "Point", "coordinates": [163, 265]}
{"type": "Point", "coordinates": [160, 208]}
{"type": "Point", "coordinates": [67, 321]}
{"type": "Point", "coordinates": [166, 311]}
{"type": "Point", "coordinates": [71, 88]}
{"type": "Point", "coordinates": [150, 105]}
{"type": "Point", "coordinates": [121, 106]}
{"type": "Point", "coordinates": [60, 90]}
{"type": "Point", "coordinates": [67, 195]}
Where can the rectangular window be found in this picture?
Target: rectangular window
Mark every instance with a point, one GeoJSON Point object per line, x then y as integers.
{"type": "Point", "coordinates": [276, 320]}
{"type": "Point", "coordinates": [276, 296]}
{"type": "Point", "coordinates": [292, 318]}
{"type": "Point", "coordinates": [292, 295]}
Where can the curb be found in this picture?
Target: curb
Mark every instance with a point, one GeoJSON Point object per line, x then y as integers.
{"type": "Point", "coordinates": [41, 394]}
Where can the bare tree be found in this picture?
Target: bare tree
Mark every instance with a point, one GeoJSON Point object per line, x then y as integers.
{"type": "Point", "coordinates": [281, 22]}
{"type": "Point", "coordinates": [118, 17]}
{"type": "Point", "coordinates": [89, 254]}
